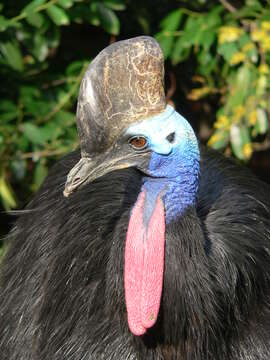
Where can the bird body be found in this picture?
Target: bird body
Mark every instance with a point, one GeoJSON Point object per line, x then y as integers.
{"type": "Point", "coordinates": [155, 248]}
{"type": "Point", "coordinates": [62, 294]}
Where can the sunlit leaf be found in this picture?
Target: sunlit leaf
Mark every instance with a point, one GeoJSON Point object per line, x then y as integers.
{"type": "Point", "coordinates": [35, 19]}
{"type": "Point", "coordinates": [108, 20]}
{"type": "Point", "coordinates": [7, 194]}
{"type": "Point", "coordinates": [115, 4]}
{"type": "Point", "coordinates": [240, 141]}
{"type": "Point", "coordinates": [172, 21]}
{"type": "Point", "coordinates": [219, 139]}
{"type": "Point", "coordinates": [227, 50]}
{"type": "Point", "coordinates": [40, 173]}
{"type": "Point", "coordinates": [74, 68]}
{"type": "Point", "coordinates": [12, 54]}
{"type": "Point", "coordinates": [261, 125]}
{"type": "Point", "coordinates": [32, 6]}
{"type": "Point", "coordinates": [65, 3]}
{"type": "Point", "coordinates": [4, 23]}
{"type": "Point", "coordinates": [58, 15]}
{"type": "Point", "coordinates": [169, 25]}
{"type": "Point", "coordinates": [41, 47]}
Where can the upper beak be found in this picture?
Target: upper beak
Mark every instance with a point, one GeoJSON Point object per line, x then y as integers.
{"type": "Point", "coordinates": [88, 169]}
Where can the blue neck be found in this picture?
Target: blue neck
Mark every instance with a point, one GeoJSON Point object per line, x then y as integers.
{"type": "Point", "coordinates": [174, 165]}
{"type": "Point", "coordinates": [179, 190]}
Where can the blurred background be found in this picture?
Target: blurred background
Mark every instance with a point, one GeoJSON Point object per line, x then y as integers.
{"type": "Point", "coordinates": [217, 75]}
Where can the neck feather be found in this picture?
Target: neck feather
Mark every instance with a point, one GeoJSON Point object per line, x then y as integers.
{"type": "Point", "coordinates": [177, 183]}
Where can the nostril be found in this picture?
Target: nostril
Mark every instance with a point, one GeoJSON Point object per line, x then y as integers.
{"type": "Point", "coordinates": [171, 137]}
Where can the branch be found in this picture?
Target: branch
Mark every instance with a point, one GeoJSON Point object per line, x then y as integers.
{"type": "Point", "coordinates": [43, 153]}
{"type": "Point", "coordinates": [66, 98]}
{"type": "Point", "coordinates": [228, 6]}
{"type": "Point", "coordinates": [261, 146]}
{"type": "Point", "coordinates": [23, 15]}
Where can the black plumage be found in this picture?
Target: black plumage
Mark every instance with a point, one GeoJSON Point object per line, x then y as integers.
{"type": "Point", "coordinates": [62, 294]}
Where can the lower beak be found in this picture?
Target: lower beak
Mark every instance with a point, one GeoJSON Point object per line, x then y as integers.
{"type": "Point", "coordinates": [90, 169]}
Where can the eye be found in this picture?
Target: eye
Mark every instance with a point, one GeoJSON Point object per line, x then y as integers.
{"type": "Point", "coordinates": [138, 142]}
{"type": "Point", "coordinates": [171, 137]}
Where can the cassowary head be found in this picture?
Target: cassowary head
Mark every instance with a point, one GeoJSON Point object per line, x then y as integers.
{"type": "Point", "coordinates": [123, 121]}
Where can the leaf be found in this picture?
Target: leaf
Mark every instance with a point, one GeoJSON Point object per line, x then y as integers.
{"type": "Point", "coordinates": [65, 3]}
{"type": "Point", "coordinates": [74, 68]}
{"type": "Point", "coordinates": [227, 50]}
{"type": "Point", "coordinates": [34, 134]}
{"type": "Point", "coordinates": [7, 194]}
{"type": "Point", "coordinates": [207, 39]}
{"type": "Point", "coordinates": [219, 139]}
{"type": "Point", "coordinates": [181, 50]}
{"type": "Point", "coordinates": [35, 19]}
{"type": "Point", "coordinates": [261, 125]}
{"type": "Point", "coordinates": [166, 43]}
{"type": "Point", "coordinates": [115, 4]}
{"type": "Point", "coordinates": [166, 37]}
{"type": "Point", "coordinates": [108, 20]}
{"type": "Point", "coordinates": [239, 140]}
{"type": "Point", "coordinates": [8, 110]}
{"type": "Point", "coordinates": [172, 21]}
{"type": "Point", "coordinates": [12, 55]}
{"type": "Point", "coordinates": [51, 131]}
{"type": "Point", "coordinates": [143, 21]}
{"type": "Point", "coordinates": [191, 36]}
{"type": "Point", "coordinates": [58, 15]}
{"type": "Point", "coordinates": [64, 118]}
{"type": "Point", "coordinates": [4, 23]}
{"type": "Point", "coordinates": [40, 173]}
{"type": "Point", "coordinates": [40, 49]}
{"type": "Point", "coordinates": [32, 7]}
{"type": "Point", "coordinates": [240, 84]}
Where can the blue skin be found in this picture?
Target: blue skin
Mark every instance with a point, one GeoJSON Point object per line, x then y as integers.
{"type": "Point", "coordinates": [174, 166]}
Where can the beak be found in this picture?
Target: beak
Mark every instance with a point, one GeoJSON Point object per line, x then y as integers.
{"type": "Point", "coordinates": [89, 169]}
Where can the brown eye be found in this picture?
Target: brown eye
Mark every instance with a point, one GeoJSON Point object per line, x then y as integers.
{"type": "Point", "coordinates": [138, 142]}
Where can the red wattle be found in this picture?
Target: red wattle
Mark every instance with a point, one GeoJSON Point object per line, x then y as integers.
{"type": "Point", "coordinates": [144, 266]}
{"type": "Point", "coordinates": [152, 280]}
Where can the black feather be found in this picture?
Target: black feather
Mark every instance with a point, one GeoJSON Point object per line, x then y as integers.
{"type": "Point", "coordinates": [62, 294]}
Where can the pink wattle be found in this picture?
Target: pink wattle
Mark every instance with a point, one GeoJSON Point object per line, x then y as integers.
{"type": "Point", "coordinates": [144, 266]}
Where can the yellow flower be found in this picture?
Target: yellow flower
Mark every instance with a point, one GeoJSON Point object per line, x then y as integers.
{"type": "Point", "coordinates": [263, 69]}
{"type": "Point", "coordinates": [213, 139]}
{"type": "Point", "coordinates": [253, 117]}
{"type": "Point", "coordinates": [229, 34]}
{"type": "Point", "coordinates": [196, 94]}
{"type": "Point", "coordinates": [238, 112]}
{"type": "Point", "coordinates": [247, 47]}
{"type": "Point", "coordinates": [247, 150]}
{"type": "Point", "coordinates": [237, 58]}
{"type": "Point", "coordinates": [258, 35]}
{"type": "Point", "coordinates": [265, 25]}
{"type": "Point", "coordinates": [266, 44]}
{"type": "Point", "coordinates": [222, 122]}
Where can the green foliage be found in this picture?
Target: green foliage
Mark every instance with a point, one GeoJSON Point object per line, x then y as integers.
{"type": "Point", "coordinates": [232, 51]}
{"type": "Point", "coordinates": [37, 106]}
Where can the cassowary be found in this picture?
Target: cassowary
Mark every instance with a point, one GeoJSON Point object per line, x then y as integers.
{"type": "Point", "coordinates": [144, 245]}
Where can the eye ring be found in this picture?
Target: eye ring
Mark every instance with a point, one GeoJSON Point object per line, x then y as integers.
{"type": "Point", "coordinates": [138, 142]}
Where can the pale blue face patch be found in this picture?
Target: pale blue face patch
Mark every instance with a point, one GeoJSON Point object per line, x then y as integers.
{"type": "Point", "coordinates": [174, 163]}
{"type": "Point", "coordinates": [157, 128]}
